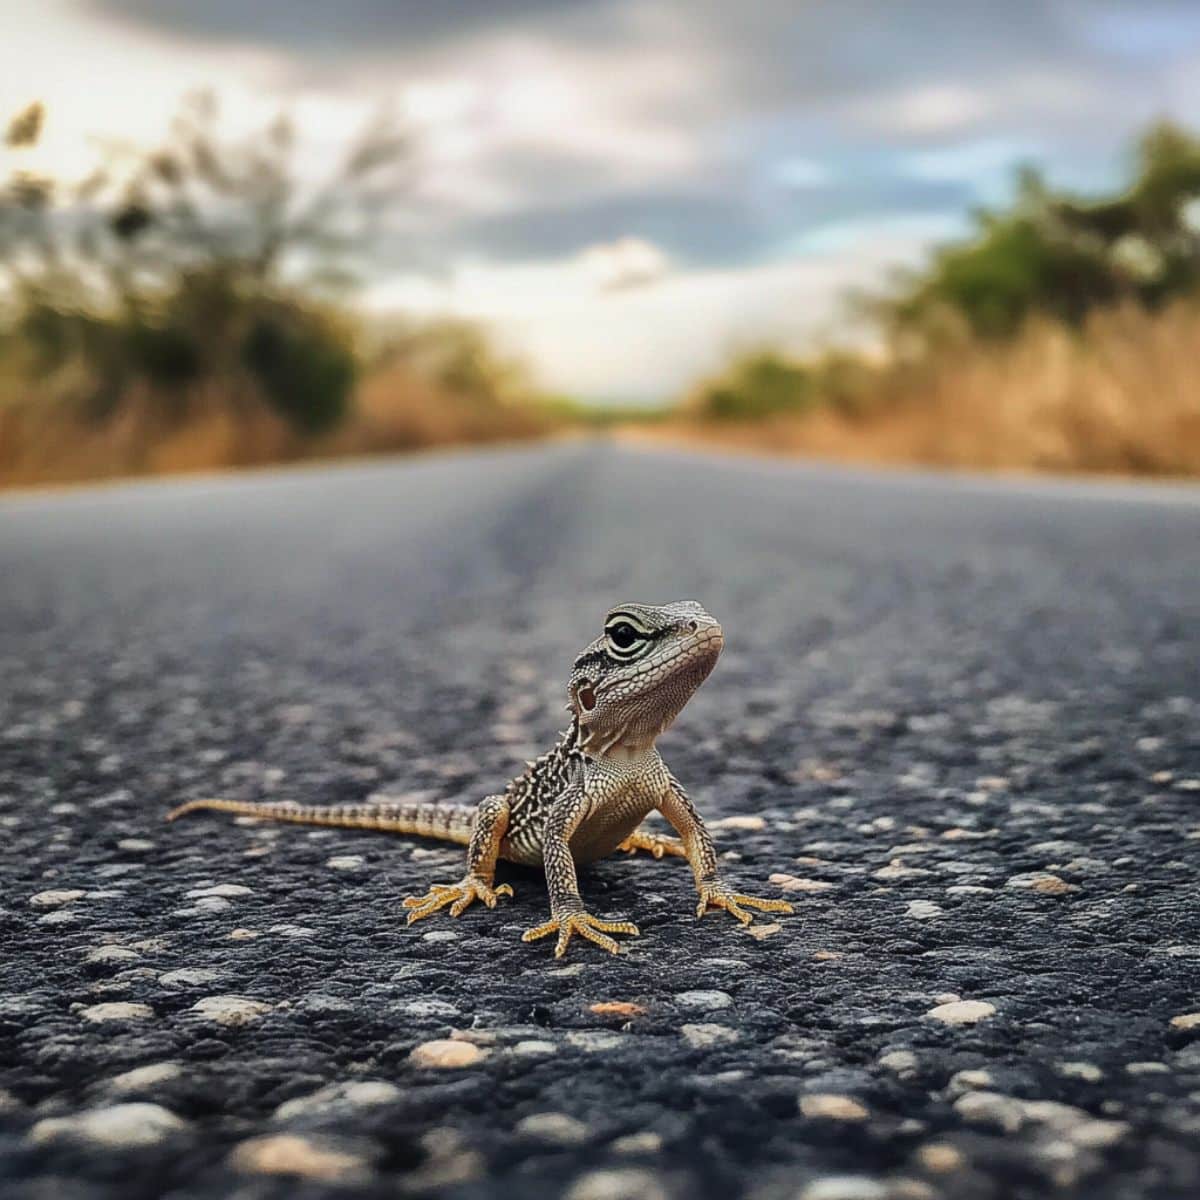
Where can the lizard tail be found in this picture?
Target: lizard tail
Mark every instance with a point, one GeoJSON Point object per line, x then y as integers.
{"type": "Point", "coordinates": [446, 822]}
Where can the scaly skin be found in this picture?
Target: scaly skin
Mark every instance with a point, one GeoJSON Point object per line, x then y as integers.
{"type": "Point", "coordinates": [587, 797]}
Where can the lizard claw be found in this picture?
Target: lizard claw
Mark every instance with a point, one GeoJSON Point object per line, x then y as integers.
{"type": "Point", "coordinates": [720, 896]}
{"type": "Point", "coordinates": [459, 896]}
{"type": "Point", "coordinates": [584, 924]}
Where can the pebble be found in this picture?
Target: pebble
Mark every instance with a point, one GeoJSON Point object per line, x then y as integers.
{"type": "Point", "coordinates": [751, 823]}
{"type": "Point", "coordinates": [1186, 1021]}
{"type": "Point", "coordinates": [619, 1183]}
{"type": "Point", "coordinates": [346, 862]}
{"type": "Point", "coordinates": [220, 890]}
{"type": "Point", "coordinates": [290, 1154]}
{"type": "Point", "coordinates": [1040, 881]}
{"type": "Point", "coordinates": [616, 1008]}
{"type": "Point", "coordinates": [1086, 1071]}
{"type": "Point", "coordinates": [60, 916]}
{"type": "Point", "coordinates": [903, 1062]}
{"type": "Point", "coordinates": [940, 1158]}
{"type": "Point", "coordinates": [792, 883]}
{"type": "Point", "coordinates": [923, 910]}
{"type": "Point", "coordinates": [110, 954]}
{"type": "Point", "coordinates": [121, 1126]}
{"type": "Point", "coordinates": [833, 1107]}
{"type": "Point", "coordinates": [969, 1081]}
{"type": "Point", "coordinates": [534, 1048]}
{"type": "Point", "coordinates": [962, 1012]}
{"type": "Point", "coordinates": [144, 1077]}
{"type": "Point", "coordinates": [645, 1142]}
{"type": "Point", "coordinates": [762, 932]}
{"type": "Point", "coordinates": [361, 1094]}
{"type": "Point", "coordinates": [52, 899]}
{"type": "Point", "coordinates": [190, 976]}
{"type": "Point", "coordinates": [117, 1010]}
{"type": "Point", "coordinates": [446, 1053]}
{"type": "Point", "coordinates": [700, 1037]}
{"type": "Point", "coordinates": [845, 1187]}
{"type": "Point", "coordinates": [243, 935]}
{"type": "Point", "coordinates": [231, 1010]}
{"type": "Point", "coordinates": [553, 1127]}
{"type": "Point", "coordinates": [596, 1041]}
{"type": "Point", "coordinates": [135, 845]}
{"type": "Point", "coordinates": [426, 1007]}
{"type": "Point", "coordinates": [703, 999]}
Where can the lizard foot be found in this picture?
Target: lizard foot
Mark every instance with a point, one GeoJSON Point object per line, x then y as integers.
{"type": "Point", "coordinates": [719, 896]}
{"type": "Point", "coordinates": [652, 842]}
{"type": "Point", "coordinates": [584, 924]}
{"type": "Point", "coordinates": [459, 896]}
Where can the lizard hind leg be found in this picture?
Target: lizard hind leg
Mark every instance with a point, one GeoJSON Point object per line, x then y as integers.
{"type": "Point", "coordinates": [491, 823]}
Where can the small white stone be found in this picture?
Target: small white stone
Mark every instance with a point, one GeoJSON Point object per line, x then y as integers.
{"type": "Point", "coordinates": [110, 954]}
{"type": "Point", "coordinates": [752, 823]}
{"type": "Point", "coordinates": [962, 1012]}
{"type": "Point", "coordinates": [533, 1048]}
{"type": "Point", "coordinates": [231, 1010]}
{"type": "Point", "coordinates": [364, 1094]}
{"type": "Point", "coordinates": [923, 910]}
{"type": "Point", "coordinates": [290, 1154]}
{"type": "Point", "coordinates": [845, 1187]}
{"type": "Point", "coordinates": [190, 977]}
{"type": "Point", "coordinates": [122, 1125]}
{"type": "Point", "coordinates": [446, 1053]}
{"type": "Point", "coordinates": [619, 1183]}
{"type": "Point", "coordinates": [596, 1041]}
{"type": "Point", "coordinates": [554, 1127]}
{"type": "Point", "coordinates": [117, 1011]}
{"type": "Point", "coordinates": [645, 1142]}
{"type": "Point", "coordinates": [220, 889]}
{"type": "Point", "coordinates": [903, 1062]}
{"type": "Point", "coordinates": [144, 1077]}
{"type": "Point", "coordinates": [991, 1108]}
{"type": "Point", "coordinates": [135, 845]}
{"type": "Point", "coordinates": [832, 1107]}
{"type": "Point", "coordinates": [346, 862]}
{"type": "Point", "coordinates": [59, 916]}
{"type": "Point", "coordinates": [969, 1081]}
{"type": "Point", "coordinates": [54, 898]}
{"type": "Point", "coordinates": [700, 1037]}
{"type": "Point", "coordinates": [703, 999]}
{"type": "Point", "coordinates": [1086, 1071]}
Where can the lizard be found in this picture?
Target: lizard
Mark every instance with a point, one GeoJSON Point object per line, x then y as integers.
{"type": "Point", "coordinates": [583, 800]}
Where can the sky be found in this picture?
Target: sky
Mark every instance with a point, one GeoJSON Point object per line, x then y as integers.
{"type": "Point", "coordinates": [627, 191]}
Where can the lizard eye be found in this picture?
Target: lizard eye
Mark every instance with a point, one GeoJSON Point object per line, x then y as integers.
{"type": "Point", "coordinates": [622, 635]}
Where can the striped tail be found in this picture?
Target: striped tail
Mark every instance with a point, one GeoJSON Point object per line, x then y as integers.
{"type": "Point", "coordinates": [446, 822]}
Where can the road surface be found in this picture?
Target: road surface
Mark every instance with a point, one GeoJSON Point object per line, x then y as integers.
{"type": "Point", "coordinates": [956, 722]}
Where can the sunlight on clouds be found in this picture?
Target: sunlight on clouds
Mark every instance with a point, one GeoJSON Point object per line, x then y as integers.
{"type": "Point", "coordinates": [627, 262]}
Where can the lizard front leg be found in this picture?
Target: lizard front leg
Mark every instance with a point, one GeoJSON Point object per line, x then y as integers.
{"type": "Point", "coordinates": [491, 822]}
{"type": "Point", "coordinates": [567, 913]}
{"type": "Point", "coordinates": [678, 808]}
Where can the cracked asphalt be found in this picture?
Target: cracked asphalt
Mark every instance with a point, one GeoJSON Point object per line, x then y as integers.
{"type": "Point", "coordinates": [956, 723]}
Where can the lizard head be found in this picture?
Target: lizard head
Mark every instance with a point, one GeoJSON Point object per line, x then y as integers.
{"type": "Point", "coordinates": [628, 685]}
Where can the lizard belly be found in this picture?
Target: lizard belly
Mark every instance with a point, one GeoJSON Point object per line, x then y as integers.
{"type": "Point", "coordinates": [602, 832]}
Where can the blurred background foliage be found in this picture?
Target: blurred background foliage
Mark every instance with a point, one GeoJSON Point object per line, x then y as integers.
{"type": "Point", "coordinates": [190, 305]}
{"type": "Point", "coordinates": [1062, 333]}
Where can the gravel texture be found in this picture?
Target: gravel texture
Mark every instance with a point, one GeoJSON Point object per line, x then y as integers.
{"type": "Point", "coordinates": [955, 724]}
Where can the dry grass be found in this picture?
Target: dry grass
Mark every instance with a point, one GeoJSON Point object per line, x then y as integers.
{"type": "Point", "coordinates": [1122, 396]}
{"type": "Point", "coordinates": [42, 442]}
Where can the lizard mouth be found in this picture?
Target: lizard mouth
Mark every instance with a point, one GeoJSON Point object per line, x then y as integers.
{"type": "Point", "coordinates": [586, 696]}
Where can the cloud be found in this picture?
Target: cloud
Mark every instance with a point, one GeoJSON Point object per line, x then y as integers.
{"type": "Point", "coordinates": [708, 153]}
{"type": "Point", "coordinates": [628, 262]}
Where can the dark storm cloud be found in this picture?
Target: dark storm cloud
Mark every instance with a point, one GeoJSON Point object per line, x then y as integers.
{"type": "Point", "coordinates": [321, 27]}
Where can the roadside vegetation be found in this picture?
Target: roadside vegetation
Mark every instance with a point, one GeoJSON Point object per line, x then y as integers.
{"type": "Point", "coordinates": [1064, 334]}
{"type": "Point", "coordinates": [191, 306]}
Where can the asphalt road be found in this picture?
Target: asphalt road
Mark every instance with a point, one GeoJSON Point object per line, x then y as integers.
{"type": "Point", "coordinates": [956, 720]}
